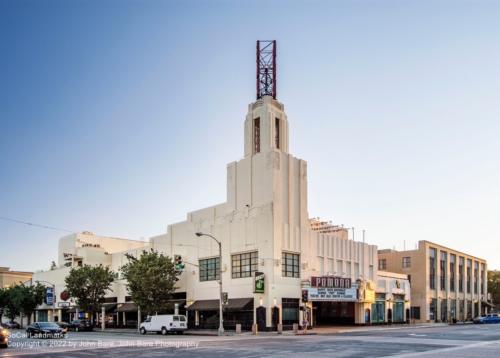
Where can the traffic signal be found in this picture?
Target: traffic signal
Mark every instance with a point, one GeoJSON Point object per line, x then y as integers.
{"type": "Point", "coordinates": [305, 295]}
{"type": "Point", "coordinates": [179, 265]}
{"type": "Point", "coordinates": [225, 298]}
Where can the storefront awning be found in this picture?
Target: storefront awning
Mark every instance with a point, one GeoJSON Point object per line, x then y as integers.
{"type": "Point", "coordinates": [127, 307]}
{"type": "Point", "coordinates": [109, 307]}
{"type": "Point", "coordinates": [213, 305]}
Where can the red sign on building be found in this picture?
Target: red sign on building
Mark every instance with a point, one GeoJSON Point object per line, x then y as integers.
{"type": "Point", "coordinates": [330, 281]}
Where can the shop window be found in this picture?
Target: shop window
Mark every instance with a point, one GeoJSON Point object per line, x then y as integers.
{"type": "Point", "coordinates": [209, 269]}
{"type": "Point", "coordinates": [432, 309]}
{"type": "Point", "coordinates": [415, 312]}
{"type": "Point", "coordinates": [290, 265]}
{"type": "Point", "coordinates": [290, 311]}
{"type": "Point", "coordinates": [244, 265]}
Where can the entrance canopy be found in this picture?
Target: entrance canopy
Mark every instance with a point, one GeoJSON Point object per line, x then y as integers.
{"type": "Point", "coordinates": [236, 304]}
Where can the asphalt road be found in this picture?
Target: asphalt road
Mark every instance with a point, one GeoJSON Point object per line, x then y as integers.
{"type": "Point", "coordinates": [435, 341]}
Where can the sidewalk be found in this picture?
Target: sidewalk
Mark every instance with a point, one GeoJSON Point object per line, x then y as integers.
{"type": "Point", "coordinates": [314, 331]}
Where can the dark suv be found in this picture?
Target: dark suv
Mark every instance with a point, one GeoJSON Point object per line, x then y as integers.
{"type": "Point", "coordinates": [79, 325]}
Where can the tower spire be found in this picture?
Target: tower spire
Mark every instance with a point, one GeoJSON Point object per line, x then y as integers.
{"type": "Point", "coordinates": [266, 68]}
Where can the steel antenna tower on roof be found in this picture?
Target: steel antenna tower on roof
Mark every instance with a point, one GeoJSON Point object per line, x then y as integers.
{"type": "Point", "coordinates": [266, 68]}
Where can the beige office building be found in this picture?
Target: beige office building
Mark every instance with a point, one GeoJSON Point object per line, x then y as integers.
{"type": "Point", "coordinates": [445, 284]}
{"type": "Point", "coordinates": [10, 278]}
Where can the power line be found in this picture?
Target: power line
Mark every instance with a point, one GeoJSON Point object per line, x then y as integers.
{"type": "Point", "coordinates": [36, 225]}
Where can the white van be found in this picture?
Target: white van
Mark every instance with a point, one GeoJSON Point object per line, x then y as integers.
{"type": "Point", "coordinates": [164, 324]}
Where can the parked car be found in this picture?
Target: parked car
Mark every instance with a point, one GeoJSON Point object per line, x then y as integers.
{"type": "Point", "coordinates": [11, 325]}
{"type": "Point", "coordinates": [4, 337]}
{"type": "Point", "coordinates": [479, 319]}
{"type": "Point", "coordinates": [44, 330]}
{"type": "Point", "coordinates": [164, 324]}
{"type": "Point", "coordinates": [64, 326]}
{"type": "Point", "coordinates": [489, 318]}
{"type": "Point", "coordinates": [79, 325]}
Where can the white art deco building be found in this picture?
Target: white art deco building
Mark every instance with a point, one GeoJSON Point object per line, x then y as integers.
{"type": "Point", "coordinates": [265, 229]}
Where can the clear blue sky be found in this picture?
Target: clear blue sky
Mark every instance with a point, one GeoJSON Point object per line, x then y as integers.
{"type": "Point", "coordinates": [119, 117]}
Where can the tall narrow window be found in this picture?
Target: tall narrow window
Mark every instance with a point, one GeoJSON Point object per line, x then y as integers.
{"type": "Point", "coordinates": [483, 278]}
{"type": "Point", "coordinates": [277, 132]}
{"type": "Point", "coordinates": [476, 276]}
{"type": "Point", "coordinates": [469, 274]}
{"type": "Point", "coordinates": [256, 135]}
{"type": "Point", "coordinates": [461, 266]}
{"type": "Point", "coordinates": [442, 271]}
{"type": "Point", "coordinates": [452, 272]}
{"type": "Point", "coordinates": [432, 269]}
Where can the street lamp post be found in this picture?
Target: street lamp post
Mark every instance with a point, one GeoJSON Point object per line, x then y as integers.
{"type": "Point", "coordinates": [53, 297]}
{"type": "Point", "coordinates": [221, 325]}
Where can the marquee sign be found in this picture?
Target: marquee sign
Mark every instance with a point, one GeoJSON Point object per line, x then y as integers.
{"type": "Point", "coordinates": [330, 282]}
{"type": "Point", "coordinates": [333, 294]}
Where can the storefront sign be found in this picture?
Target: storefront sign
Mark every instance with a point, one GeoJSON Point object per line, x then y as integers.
{"type": "Point", "coordinates": [64, 295]}
{"type": "Point", "coordinates": [330, 282]}
{"type": "Point", "coordinates": [49, 296]}
{"type": "Point", "coordinates": [332, 294]}
{"type": "Point", "coordinates": [259, 282]}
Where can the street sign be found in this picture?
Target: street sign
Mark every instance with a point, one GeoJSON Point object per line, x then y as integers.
{"type": "Point", "coordinates": [63, 304]}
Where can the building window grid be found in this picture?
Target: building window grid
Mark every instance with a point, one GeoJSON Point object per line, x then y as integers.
{"type": "Point", "coordinates": [209, 269]}
{"type": "Point", "coordinates": [406, 262]}
{"type": "Point", "coordinates": [244, 265]}
{"type": "Point", "coordinates": [290, 265]}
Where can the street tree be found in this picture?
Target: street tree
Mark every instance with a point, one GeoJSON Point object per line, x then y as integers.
{"type": "Point", "coordinates": [88, 285]}
{"type": "Point", "coordinates": [494, 286]}
{"type": "Point", "coordinates": [31, 297]}
{"type": "Point", "coordinates": [13, 304]}
{"type": "Point", "coordinates": [4, 296]}
{"type": "Point", "coordinates": [151, 280]}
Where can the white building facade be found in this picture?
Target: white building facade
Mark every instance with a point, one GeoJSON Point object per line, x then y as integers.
{"type": "Point", "coordinates": [264, 230]}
